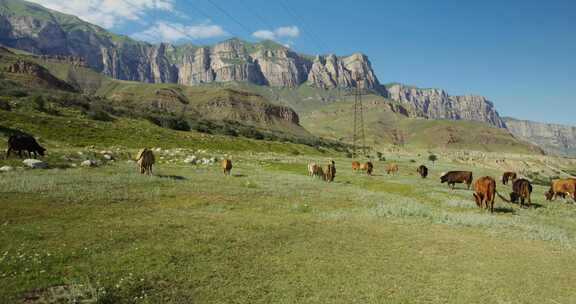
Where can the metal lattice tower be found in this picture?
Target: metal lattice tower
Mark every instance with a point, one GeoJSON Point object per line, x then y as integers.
{"type": "Point", "coordinates": [358, 134]}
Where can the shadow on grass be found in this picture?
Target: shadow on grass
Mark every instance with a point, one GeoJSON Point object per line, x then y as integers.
{"type": "Point", "coordinates": [504, 210]}
{"type": "Point", "coordinates": [172, 177]}
{"type": "Point", "coordinates": [239, 175]}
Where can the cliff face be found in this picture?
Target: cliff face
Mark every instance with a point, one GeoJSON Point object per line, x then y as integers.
{"type": "Point", "coordinates": [553, 138]}
{"type": "Point", "coordinates": [31, 27]}
{"type": "Point", "coordinates": [438, 104]}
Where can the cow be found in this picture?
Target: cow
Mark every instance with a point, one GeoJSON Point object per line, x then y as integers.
{"type": "Point", "coordinates": [561, 187]}
{"type": "Point", "coordinates": [508, 176]}
{"type": "Point", "coordinates": [227, 166]}
{"type": "Point", "coordinates": [330, 172]}
{"type": "Point", "coordinates": [422, 171]}
{"type": "Point", "coordinates": [318, 172]}
{"type": "Point", "coordinates": [521, 190]}
{"type": "Point", "coordinates": [145, 161]}
{"type": "Point", "coordinates": [311, 169]}
{"type": "Point", "coordinates": [368, 167]}
{"type": "Point", "coordinates": [392, 169]}
{"type": "Point", "coordinates": [457, 177]}
{"type": "Point", "coordinates": [484, 192]}
{"type": "Point", "coordinates": [23, 142]}
{"type": "Point", "coordinates": [355, 166]}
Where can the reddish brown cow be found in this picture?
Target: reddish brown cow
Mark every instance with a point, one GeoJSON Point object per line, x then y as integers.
{"type": "Point", "coordinates": [508, 176]}
{"type": "Point", "coordinates": [484, 192]}
{"type": "Point", "coordinates": [392, 169]}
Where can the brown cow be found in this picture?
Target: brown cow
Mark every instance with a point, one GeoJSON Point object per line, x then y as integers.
{"type": "Point", "coordinates": [227, 166]}
{"type": "Point", "coordinates": [330, 172]}
{"type": "Point", "coordinates": [368, 167]}
{"type": "Point", "coordinates": [508, 176]}
{"type": "Point", "coordinates": [484, 192]}
{"type": "Point", "coordinates": [392, 169]}
{"type": "Point", "coordinates": [145, 161]}
{"type": "Point", "coordinates": [422, 171]}
{"type": "Point", "coordinates": [355, 166]}
{"type": "Point", "coordinates": [457, 177]}
{"type": "Point", "coordinates": [561, 187]}
{"type": "Point", "coordinates": [521, 189]}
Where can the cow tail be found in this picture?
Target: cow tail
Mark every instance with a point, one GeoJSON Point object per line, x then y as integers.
{"type": "Point", "coordinates": [502, 197]}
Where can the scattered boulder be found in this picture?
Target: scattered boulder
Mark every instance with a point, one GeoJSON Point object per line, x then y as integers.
{"type": "Point", "coordinates": [6, 169]}
{"type": "Point", "coordinates": [109, 157]}
{"type": "Point", "coordinates": [192, 160]}
{"type": "Point", "coordinates": [89, 163]}
{"type": "Point", "coordinates": [35, 163]}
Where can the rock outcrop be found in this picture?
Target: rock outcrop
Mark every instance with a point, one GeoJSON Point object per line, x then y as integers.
{"type": "Point", "coordinates": [438, 104]}
{"type": "Point", "coordinates": [33, 28]}
{"type": "Point", "coordinates": [39, 75]}
{"type": "Point", "coordinates": [553, 138]}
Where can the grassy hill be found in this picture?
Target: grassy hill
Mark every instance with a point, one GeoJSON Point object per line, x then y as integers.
{"type": "Point", "coordinates": [386, 126]}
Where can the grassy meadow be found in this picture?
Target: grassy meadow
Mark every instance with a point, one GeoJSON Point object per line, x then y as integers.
{"type": "Point", "coordinates": [271, 234]}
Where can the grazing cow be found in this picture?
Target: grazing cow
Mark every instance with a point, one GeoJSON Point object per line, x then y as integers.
{"type": "Point", "coordinates": [484, 192]}
{"type": "Point", "coordinates": [145, 161]}
{"type": "Point", "coordinates": [355, 166]}
{"type": "Point", "coordinates": [227, 166]}
{"type": "Point", "coordinates": [330, 172]}
{"type": "Point", "coordinates": [23, 142]}
{"type": "Point", "coordinates": [521, 189]}
{"type": "Point", "coordinates": [311, 169]}
{"type": "Point", "coordinates": [368, 167]}
{"type": "Point", "coordinates": [423, 171]}
{"type": "Point", "coordinates": [561, 187]}
{"type": "Point", "coordinates": [318, 172]}
{"type": "Point", "coordinates": [508, 176]}
{"type": "Point", "coordinates": [457, 177]}
{"type": "Point", "coordinates": [392, 169]}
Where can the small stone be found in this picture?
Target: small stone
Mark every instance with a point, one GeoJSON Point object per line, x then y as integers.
{"type": "Point", "coordinates": [89, 163]}
{"type": "Point", "coordinates": [35, 163]}
{"type": "Point", "coordinates": [6, 169]}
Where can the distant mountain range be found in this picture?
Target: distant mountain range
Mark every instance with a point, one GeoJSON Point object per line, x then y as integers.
{"type": "Point", "coordinates": [35, 29]}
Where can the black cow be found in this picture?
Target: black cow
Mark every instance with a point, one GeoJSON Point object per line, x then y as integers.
{"type": "Point", "coordinates": [457, 177]}
{"type": "Point", "coordinates": [22, 142]}
{"type": "Point", "coordinates": [423, 171]}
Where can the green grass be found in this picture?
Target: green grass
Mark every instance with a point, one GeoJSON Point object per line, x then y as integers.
{"type": "Point", "coordinates": [271, 234]}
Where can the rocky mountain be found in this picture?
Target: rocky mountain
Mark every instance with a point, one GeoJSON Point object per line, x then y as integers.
{"type": "Point", "coordinates": [33, 28]}
{"type": "Point", "coordinates": [438, 104]}
{"type": "Point", "coordinates": [553, 138]}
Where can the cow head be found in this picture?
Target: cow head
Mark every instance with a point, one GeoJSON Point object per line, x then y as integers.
{"type": "Point", "coordinates": [443, 179]}
{"type": "Point", "coordinates": [514, 197]}
{"type": "Point", "coordinates": [41, 151]}
{"type": "Point", "coordinates": [549, 194]}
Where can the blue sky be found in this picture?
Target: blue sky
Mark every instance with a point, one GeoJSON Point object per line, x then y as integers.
{"type": "Point", "coordinates": [521, 54]}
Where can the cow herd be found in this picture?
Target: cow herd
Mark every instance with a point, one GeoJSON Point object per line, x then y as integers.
{"type": "Point", "coordinates": [484, 187]}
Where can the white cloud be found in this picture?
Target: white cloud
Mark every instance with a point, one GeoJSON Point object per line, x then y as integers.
{"type": "Point", "coordinates": [281, 32]}
{"type": "Point", "coordinates": [264, 34]}
{"type": "Point", "coordinates": [107, 13]}
{"type": "Point", "coordinates": [168, 32]}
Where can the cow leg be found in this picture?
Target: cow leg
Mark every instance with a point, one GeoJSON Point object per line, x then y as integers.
{"type": "Point", "coordinates": [8, 152]}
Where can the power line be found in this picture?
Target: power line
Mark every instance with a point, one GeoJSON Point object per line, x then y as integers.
{"type": "Point", "coordinates": [315, 39]}
{"type": "Point", "coordinates": [222, 10]}
{"type": "Point", "coordinates": [255, 13]}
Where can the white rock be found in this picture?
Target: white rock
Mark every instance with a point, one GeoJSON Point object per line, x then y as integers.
{"type": "Point", "coordinates": [88, 163]}
{"type": "Point", "coordinates": [34, 163]}
{"type": "Point", "coordinates": [191, 160]}
{"type": "Point", "coordinates": [6, 169]}
{"type": "Point", "coordinates": [108, 156]}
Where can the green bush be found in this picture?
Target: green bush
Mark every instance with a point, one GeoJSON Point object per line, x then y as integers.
{"type": "Point", "coordinates": [5, 105]}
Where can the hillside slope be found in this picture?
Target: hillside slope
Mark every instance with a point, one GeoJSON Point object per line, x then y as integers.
{"type": "Point", "coordinates": [387, 124]}
{"type": "Point", "coordinates": [553, 138]}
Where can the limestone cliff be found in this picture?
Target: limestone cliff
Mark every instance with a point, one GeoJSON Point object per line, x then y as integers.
{"type": "Point", "coordinates": [438, 104]}
{"type": "Point", "coordinates": [553, 138]}
{"type": "Point", "coordinates": [33, 28]}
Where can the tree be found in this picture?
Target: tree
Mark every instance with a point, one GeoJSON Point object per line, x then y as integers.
{"type": "Point", "coordinates": [432, 158]}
